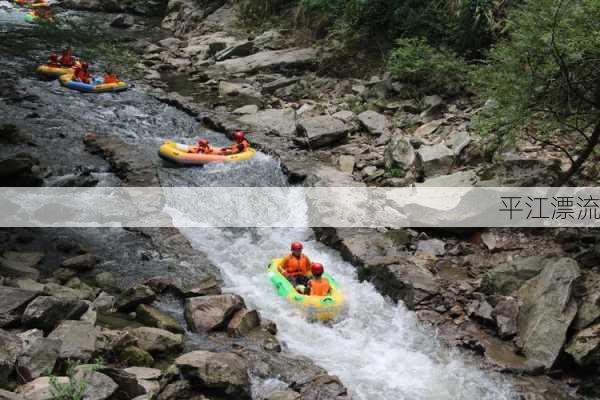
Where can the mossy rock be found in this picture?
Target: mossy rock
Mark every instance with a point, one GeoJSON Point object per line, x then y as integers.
{"type": "Point", "coordinates": [135, 357]}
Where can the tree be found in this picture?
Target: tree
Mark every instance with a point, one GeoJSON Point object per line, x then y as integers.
{"type": "Point", "coordinates": [545, 79]}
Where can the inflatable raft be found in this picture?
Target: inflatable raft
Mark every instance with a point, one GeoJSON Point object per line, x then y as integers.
{"type": "Point", "coordinates": [48, 70]}
{"type": "Point", "coordinates": [97, 85]}
{"type": "Point", "coordinates": [178, 153]}
{"type": "Point", "coordinates": [320, 308]}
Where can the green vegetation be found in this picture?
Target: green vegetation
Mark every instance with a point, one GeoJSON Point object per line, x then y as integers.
{"type": "Point", "coordinates": [545, 79]}
{"type": "Point", "coordinates": [75, 388]}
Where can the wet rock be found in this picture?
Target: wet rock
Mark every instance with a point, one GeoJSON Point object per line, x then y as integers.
{"type": "Point", "coordinates": [375, 123]}
{"type": "Point", "coordinates": [243, 322]}
{"type": "Point", "coordinates": [20, 265]}
{"type": "Point", "coordinates": [224, 372]}
{"type": "Point", "coordinates": [39, 355]}
{"type": "Point", "coordinates": [98, 385]}
{"type": "Point", "coordinates": [547, 310]}
{"type": "Point", "coordinates": [400, 156]}
{"type": "Point", "coordinates": [20, 170]}
{"type": "Point", "coordinates": [10, 347]}
{"type": "Point", "coordinates": [249, 109]}
{"type": "Point", "coordinates": [436, 159]}
{"type": "Point", "coordinates": [106, 280]}
{"type": "Point", "coordinates": [323, 130]}
{"type": "Point", "coordinates": [46, 312]}
{"type": "Point", "coordinates": [135, 356]}
{"type": "Point", "coordinates": [584, 347]}
{"type": "Point", "coordinates": [134, 296]}
{"type": "Point", "coordinates": [78, 339]}
{"type": "Point", "coordinates": [508, 277]}
{"type": "Point", "coordinates": [156, 341]}
{"type": "Point", "coordinates": [184, 287]}
{"type": "Point", "coordinates": [240, 49]}
{"type": "Point", "coordinates": [81, 179]}
{"type": "Point", "coordinates": [40, 388]}
{"type": "Point", "coordinates": [63, 275]}
{"type": "Point", "coordinates": [87, 292]}
{"type": "Point", "coordinates": [122, 21]}
{"type": "Point", "coordinates": [84, 262]}
{"type": "Point", "coordinates": [14, 301]}
{"type": "Point", "coordinates": [281, 122]}
{"type": "Point", "coordinates": [505, 313]}
{"type": "Point", "coordinates": [283, 395]}
{"type": "Point", "coordinates": [153, 317]}
{"type": "Point", "coordinates": [324, 387]}
{"type": "Point", "coordinates": [209, 313]}
{"type": "Point", "coordinates": [269, 60]}
{"type": "Point", "coordinates": [147, 8]}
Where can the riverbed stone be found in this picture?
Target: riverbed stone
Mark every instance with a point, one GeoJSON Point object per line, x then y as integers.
{"type": "Point", "coordinates": [505, 314]}
{"type": "Point", "coordinates": [436, 159]}
{"type": "Point", "coordinates": [243, 322]}
{"type": "Point", "coordinates": [153, 317]}
{"type": "Point", "coordinates": [210, 313]}
{"type": "Point", "coordinates": [46, 312]}
{"type": "Point", "coordinates": [508, 277]}
{"type": "Point", "coordinates": [281, 122]}
{"type": "Point", "coordinates": [134, 356]}
{"type": "Point", "coordinates": [375, 123]}
{"type": "Point", "coordinates": [399, 155]}
{"type": "Point", "coordinates": [82, 263]}
{"type": "Point", "coordinates": [547, 311]}
{"type": "Point", "coordinates": [157, 341]}
{"type": "Point", "coordinates": [225, 372]}
{"type": "Point", "coordinates": [322, 130]}
{"type": "Point", "coordinates": [584, 347]}
{"type": "Point", "coordinates": [98, 385]}
{"type": "Point", "coordinates": [13, 301]}
{"type": "Point", "coordinates": [40, 388]}
{"type": "Point", "coordinates": [269, 60]}
{"type": "Point", "coordinates": [39, 354]}
{"type": "Point", "coordinates": [134, 296]}
{"type": "Point", "coordinates": [78, 339]}
{"type": "Point", "coordinates": [20, 264]}
{"type": "Point", "coordinates": [6, 395]}
{"type": "Point", "coordinates": [10, 348]}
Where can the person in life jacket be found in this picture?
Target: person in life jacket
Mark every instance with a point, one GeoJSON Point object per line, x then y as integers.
{"type": "Point", "coordinates": [53, 60]}
{"type": "Point", "coordinates": [317, 286]}
{"type": "Point", "coordinates": [202, 147]}
{"type": "Point", "coordinates": [110, 77]}
{"type": "Point", "coordinates": [296, 266]}
{"type": "Point", "coordinates": [66, 58]}
{"type": "Point", "coordinates": [240, 145]}
{"type": "Point", "coordinates": [82, 74]}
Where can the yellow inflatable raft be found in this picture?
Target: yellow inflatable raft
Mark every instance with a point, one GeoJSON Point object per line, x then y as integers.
{"type": "Point", "coordinates": [178, 153]}
{"type": "Point", "coordinates": [97, 85]}
{"type": "Point", "coordinates": [48, 70]}
{"type": "Point", "coordinates": [320, 308]}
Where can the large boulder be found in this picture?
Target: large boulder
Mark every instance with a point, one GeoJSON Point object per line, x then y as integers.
{"type": "Point", "coordinates": [243, 322]}
{"type": "Point", "coordinates": [508, 277]}
{"type": "Point", "coordinates": [78, 339]}
{"type": "Point", "coordinates": [6, 395]}
{"type": "Point", "coordinates": [13, 302]}
{"type": "Point", "coordinates": [210, 313]}
{"type": "Point", "coordinates": [98, 386]}
{"type": "Point", "coordinates": [129, 386]}
{"type": "Point", "coordinates": [134, 296]}
{"type": "Point", "coordinates": [224, 372]}
{"type": "Point", "coordinates": [39, 354]}
{"type": "Point", "coordinates": [437, 159]}
{"type": "Point", "coordinates": [19, 170]}
{"type": "Point", "coordinates": [10, 347]}
{"type": "Point", "coordinates": [375, 123]}
{"type": "Point", "coordinates": [83, 262]}
{"type": "Point", "coordinates": [20, 265]}
{"type": "Point", "coordinates": [589, 301]}
{"type": "Point", "coordinates": [584, 347]}
{"type": "Point", "coordinates": [151, 316]}
{"type": "Point", "coordinates": [547, 311]}
{"type": "Point", "coordinates": [323, 130]}
{"type": "Point", "coordinates": [243, 92]}
{"type": "Point", "coordinates": [505, 314]}
{"type": "Point", "coordinates": [41, 388]}
{"type": "Point", "coordinates": [46, 312]}
{"type": "Point", "coordinates": [240, 49]}
{"type": "Point", "coordinates": [400, 156]}
{"type": "Point", "coordinates": [184, 287]}
{"type": "Point", "coordinates": [269, 60]}
{"type": "Point", "coordinates": [281, 122]}
{"type": "Point", "coordinates": [156, 341]}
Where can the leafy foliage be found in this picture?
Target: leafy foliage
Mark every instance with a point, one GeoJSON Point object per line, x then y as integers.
{"type": "Point", "coordinates": [75, 388]}
{"type": "Point", "coordinates": [545, 80]}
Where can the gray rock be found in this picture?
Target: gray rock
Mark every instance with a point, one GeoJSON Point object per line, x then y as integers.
{"type": "Point", "coordinates": [145, 373]}
{"type": "Point", "coordinates": [345, 116]}
{"type": "Point", "coordinates": [84, 262]}
{"type": "Point", "coordinates": [78, 339]}
{"type": "Point", "coordinates": [547, 310]}
{"type": "Point", "coordinates": [457, 179]}
{"type": "Point", "coordinates": [129, 386]}
{"type": "Point", "coordinates": [39, 355]}
{"type": "Point", "coordinates": [134, 296]}
{"type": "Point", "coordinates": [10, 348]}
{"type": "Point", "coordinates": [87, 292]}
{"type": "Point", "coordinates": [155, 340]}
{"type": "Point", "coordinates": [271, 40]}
{"type": "Point", "coordinates": [375, 123]}
{"type": "Point", "coordinates": [209, 313]}
{"type": "Point", "coordinates": [46, 312]}
{"type": "Point", "coordinates": [458, 142]}
{"type": "Point", "coordinates": [278, 84]}
{"type": "Point", "coordinates": [269, 60]}
{"type": "Point", "coordinates": [243, 322]}
{"type": "Point", "coordinates": [20, 265]}
{"type": "Point", "coordinates": [64, 292]}
{"type": "Point", "coordinates": [400, 155]}
{"type": "Point", "coordinates": [428, 128]}
{"type": "Point", "coordinates": [278, 121]}
{"type": "Point", "coordinates": [40, 388]}
{"type": "Point", "coordinates": [283, 395]}
{"type": "Point", "coordinates": [6, 395]}
{"type": "Point", "coordinates": [240, 49]}
{"type": "Point", "coordinates": [508, 277]}
{"type": "Point", "coordinates": [589, 301]}
{"type": "Point", "coordinates": [346, 163]}
{"type": "Point", "coordinates": [98, 385]}
{"type": "Point", "coordinates": [14, 301]}
{"type": "Point", "coordinates": [436, 159]}
{"type": "Point", "coordinates": [481, 310]}
{"type": "Point", "coordinates": [435, 247]}
{"type": "Point", "coordinates": [151, 316]}
{"type": "Point", "coordinates": [106, 280]}
{"type": "Point", "coordinates": [244, 91]}
{"type": "Point", "coordinates": [225, 372]}
{"type": "Point", "coordinates": [122, 21]}
{"type": "Point", "coordinates": [584, 347]}
{"type": "Point", "coordinates": [323, 130]}
{"type": "Point", "coordinates": [249, 109]}
{"type": "Point", "coordinates": [506, 313]}
{"type": "Point", "coordinates": [19, 170]}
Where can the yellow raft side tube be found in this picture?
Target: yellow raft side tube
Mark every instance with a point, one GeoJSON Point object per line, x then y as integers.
{"type": "Point", "coordinates": [320, 308]}
{"type": "Point", "coordinates": [178, 153]}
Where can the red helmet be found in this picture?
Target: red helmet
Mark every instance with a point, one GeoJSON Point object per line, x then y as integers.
{"type": "Point", "coordinates": [316, 269]}
{"type": "Point", "coordinates": [239, 136]}
{"type": "Point", "coordinates": [202, 142]}
{"type": "Point", "coordinates": [84, 65]}
{"type": "Point", "coordinates": [297, 246]}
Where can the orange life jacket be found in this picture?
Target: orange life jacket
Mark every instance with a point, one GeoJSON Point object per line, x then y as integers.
{"type": "Point", "coordinates": [238, 147]}
{"type": "Point", "coordinates": [293, 266]}
{"type": "Point", "coordinates": [110, 78]}
{"type": "Point", "coordinates": [319, 287]}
